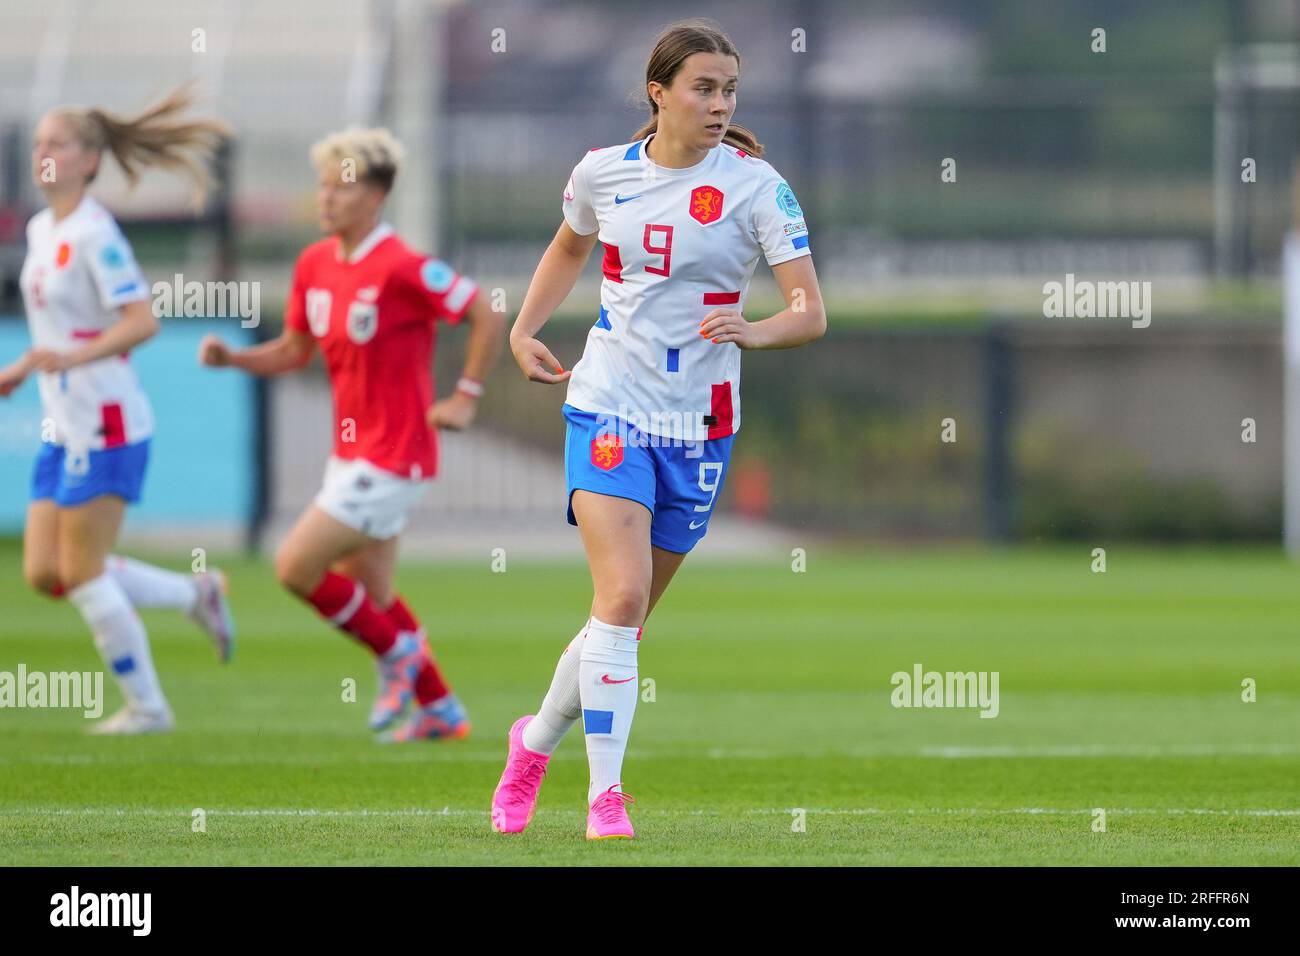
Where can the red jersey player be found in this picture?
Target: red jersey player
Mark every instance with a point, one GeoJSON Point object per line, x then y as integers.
{"type": "Point", "coordinates": [371, 305]}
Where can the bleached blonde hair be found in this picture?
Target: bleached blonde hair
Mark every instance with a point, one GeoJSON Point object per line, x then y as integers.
{"type": "Point", "coordinates": [375, 153]}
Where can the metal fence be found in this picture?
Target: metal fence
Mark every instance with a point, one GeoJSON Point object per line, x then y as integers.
{"type": "Point", "coordinates": [1058, 431]}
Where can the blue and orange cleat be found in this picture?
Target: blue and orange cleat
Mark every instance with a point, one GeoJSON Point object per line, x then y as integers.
{"type": "Point", "coordinates": [397, 679]}
{"type": "Point", "coordinates": [442, 720]}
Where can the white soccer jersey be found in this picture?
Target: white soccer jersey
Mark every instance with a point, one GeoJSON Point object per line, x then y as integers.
{"type": "Point", "coordinates": [678, 244]}
{"type": "Point", "coordinates": [77, 273]}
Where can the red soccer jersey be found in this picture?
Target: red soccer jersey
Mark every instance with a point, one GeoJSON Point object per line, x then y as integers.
{"type": "Point", "coordinates": [373, 316]}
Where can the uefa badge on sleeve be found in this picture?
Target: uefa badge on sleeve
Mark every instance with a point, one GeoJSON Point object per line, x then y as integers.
{"type": "Point", "coordinates": [786, 202]}
{"type": "Point", "coordinates": [607, 451]}
{"type": "Point", "coordinates": [113, 257]}
{"type": "Point", "coordinates": [436, 275]}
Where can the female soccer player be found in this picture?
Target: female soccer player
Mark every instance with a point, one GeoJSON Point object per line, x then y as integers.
{"type": "Point", "coordinates": [371, 304]}
{"type": "Point", "coordinates": [683, 213]}
{"type": "Point", "coordinates": [87, 306]}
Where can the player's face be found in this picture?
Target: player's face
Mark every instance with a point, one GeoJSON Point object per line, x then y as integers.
{"type": "Point", "coordinates": [345, 204]}
{"type": "Point", "coordinates": [59, 160]}
{"type": "Point", "coordinates": [701, 100]}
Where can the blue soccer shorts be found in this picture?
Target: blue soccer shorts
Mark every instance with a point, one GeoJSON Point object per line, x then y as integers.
{"type": "Point", "coordinates": [678, 482]}
{"type": "Point", "coordinates": [75, 478]}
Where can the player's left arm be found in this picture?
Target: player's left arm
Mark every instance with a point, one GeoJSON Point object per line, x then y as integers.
{"type": "Point", "coordinates": [800, 322]}
{"type": "Point", "coordinates": [487, 332]}
{"type": "Point", "coordinates": [136, 324]}
{"type": "Point", "coordinates": [121, 286]}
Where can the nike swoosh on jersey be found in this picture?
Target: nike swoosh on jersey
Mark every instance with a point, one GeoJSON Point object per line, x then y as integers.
{"type": "Point", "coordinates": [605, 679]}
{"type": "Point", "coordinates": [619, 200]}
{"type": "Point", "coordinates": [696, 527]}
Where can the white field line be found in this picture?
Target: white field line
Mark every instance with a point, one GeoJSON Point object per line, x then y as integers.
{"type": "Point", "coordinates": [1111, 750]}
{"type": "Point", "coordinates": [811, 811]}
{"type": "Point", "coordinates": [422, 754]}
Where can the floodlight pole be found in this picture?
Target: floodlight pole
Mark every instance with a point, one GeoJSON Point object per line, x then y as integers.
{"type": "Point", "coordinates": [1291, 372]}
{"type": "Point", "coordinates": [419, 62]}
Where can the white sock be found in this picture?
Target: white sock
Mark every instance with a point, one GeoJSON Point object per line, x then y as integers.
{"type": "Point", "coordinates": [608, 686]}
{"type": "Point", "coordinates": [150, 586]}
{"type": "Point", "coordinates": [561, 706]}
{"type": "Point", "coordinates": [122, 642]}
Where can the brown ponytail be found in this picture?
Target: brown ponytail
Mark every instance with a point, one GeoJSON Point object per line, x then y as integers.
{"type": "Point", "coordinates": [675, 44]}
{"type": "Point", "coordinates": [155, 137]}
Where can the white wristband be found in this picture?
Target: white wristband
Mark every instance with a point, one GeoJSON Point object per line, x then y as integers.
{"type": "Point", "coordinates": [469, 386]}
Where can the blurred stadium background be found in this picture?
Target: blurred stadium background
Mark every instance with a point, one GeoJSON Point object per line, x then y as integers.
{"type": "Point", "coordinates": [1123, 165]}
{"type": "Point", "coordinates": [1121, 691]}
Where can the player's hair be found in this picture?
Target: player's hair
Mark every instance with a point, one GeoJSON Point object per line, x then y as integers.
{"type": "Point", "coordinates": [158, 136]}
{"type": "Point", "coordinates": [377, 154]}
{"type": "Point", "coordinates": [677, 42]}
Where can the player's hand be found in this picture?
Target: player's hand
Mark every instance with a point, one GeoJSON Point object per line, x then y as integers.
{"type": "Point", "coordinates": [48, 360]}
{"type": "Point", "coordinates": [535, 360]}
{"type": "Point", "coordinates": [11, 376]}
{"type": "Point", "coordinates": [213, 352]}
{"type": "Point", "coordinates": [728, 325]}
{"type": "Point", "coordinates": [455, 412]}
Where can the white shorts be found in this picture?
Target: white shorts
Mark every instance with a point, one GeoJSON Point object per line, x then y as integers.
{"type": "Point", "coordinates": [368, 498]}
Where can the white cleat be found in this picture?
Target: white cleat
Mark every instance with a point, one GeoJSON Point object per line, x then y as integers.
{"type": "Point", "coordinates": [128, 720]}
{"type": "Point", "coordinates": [211, 612]}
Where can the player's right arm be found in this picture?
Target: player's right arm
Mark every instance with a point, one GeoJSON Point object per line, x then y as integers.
{"type": "Point", "coordinates": [291, 351]}
{"type": "Point", "coordinates": [14, 374]}
{"type": "Point", "coordinates": [554, 279]}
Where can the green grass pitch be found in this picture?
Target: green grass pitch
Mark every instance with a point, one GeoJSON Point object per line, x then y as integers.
{"type": "Point", "coordinates": [772, 688]}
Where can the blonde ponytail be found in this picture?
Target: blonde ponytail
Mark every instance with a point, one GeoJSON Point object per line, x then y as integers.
{"type": "Point", "coordinates": [158, 136]}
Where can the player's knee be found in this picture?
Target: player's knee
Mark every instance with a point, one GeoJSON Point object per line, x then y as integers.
{"type": "Point", "coordinates": [77, 567]}
{"type": "Point", "coordinates": [294, 574]}
{"type": "Point", "coordinates": [623, 605]}
{"type": "Point", "coordinates": [44, 581]}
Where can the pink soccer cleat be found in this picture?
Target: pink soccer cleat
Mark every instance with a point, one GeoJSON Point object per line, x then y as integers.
{"type": "Point", "coordinates": [515, 797]}
{"type": "Point", "coordinates": [607, 818]}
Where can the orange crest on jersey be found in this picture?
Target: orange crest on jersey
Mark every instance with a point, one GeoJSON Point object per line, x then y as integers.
{"type": "Point", "coordinates": [64, 254]}
{"type": "Point", "coordinates": [706, 204]}
{"type": "Point", "coordinates": [606, 451]}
